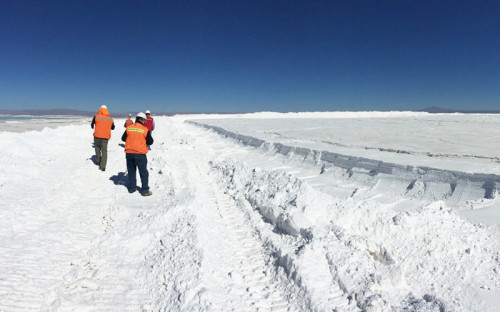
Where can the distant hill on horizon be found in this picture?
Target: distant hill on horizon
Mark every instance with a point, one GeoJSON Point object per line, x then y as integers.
{"type": "Point", "coordinates": [73, 112]}
{"type": "Point", "coordinates": [46, 112]}
{"type": "Point", "coordinates": [61, 112]}
{"type": "Point", "coordinates": [442, 110]}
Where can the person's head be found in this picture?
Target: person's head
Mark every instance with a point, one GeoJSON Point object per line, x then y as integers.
{"type": "Point", "coordinates": [129, 115]}
{"type": "Point", "coordinates": [141, 118]}
{"type": "Point", "coordinates": [104, 110]}
{"type": "Point", "coordinates": [148, 113]}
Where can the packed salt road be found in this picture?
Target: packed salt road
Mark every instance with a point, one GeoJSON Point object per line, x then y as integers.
{"type": "Point", "coordinates": [241, 221]}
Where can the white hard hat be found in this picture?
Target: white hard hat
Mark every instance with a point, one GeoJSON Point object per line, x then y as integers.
{"type": "Point", "coordinates": [130, 115]}
{"type": "Point", "coordinates": [104, 106]}
{"type": "Point", "coordinates": [148, 112]}
{"type": "Point", "coordinates": [141, 115]}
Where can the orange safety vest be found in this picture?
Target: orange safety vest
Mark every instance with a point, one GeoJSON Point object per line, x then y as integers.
{"type": "Point", "coordinates": [136, 139]}
{"type": "Point", "coordinates": [103, 123]}
{"type": "Point", "coordinates": [128, 122]}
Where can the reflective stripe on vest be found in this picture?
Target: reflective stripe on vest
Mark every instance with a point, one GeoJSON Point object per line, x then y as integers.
{"type": "Point", "coordinates": [136, 130]}
{"type": "Point", "coordinates": [105, 118]}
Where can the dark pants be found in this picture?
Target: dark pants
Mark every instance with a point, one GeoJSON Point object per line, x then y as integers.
{"type": "Point", "coordinates": [101, 151]}
{"type": "Point", "coordinates": [149, 146]}
{"type": "Point", "coordinates": [137, 161]}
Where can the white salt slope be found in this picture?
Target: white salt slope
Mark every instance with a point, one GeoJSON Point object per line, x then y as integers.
{"type": "Point", "coordinates": [449, 141]}
{"type": "Point", "coordinates": [452, 190]}
{"type": "Point", "coordinates": [455, 144]}
{"type": "Point", "coordinates": [232, 227]}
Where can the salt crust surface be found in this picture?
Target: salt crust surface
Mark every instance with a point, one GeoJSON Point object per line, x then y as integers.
{"type": "Point", "coordinates": [237, 225]}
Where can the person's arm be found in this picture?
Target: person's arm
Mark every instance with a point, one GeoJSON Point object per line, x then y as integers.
{"type": "Point", "coordinates": [149, 138]}
{"type": "Point", "coordinates": [153, 124]}
{"type": "Point", "coordinates": [93, 123]}
{"type": "Point", "coordinates": [124, 136]}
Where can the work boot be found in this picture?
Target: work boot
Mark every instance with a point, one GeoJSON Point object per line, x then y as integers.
{"type": "Point", "coordinates": [148, 193]}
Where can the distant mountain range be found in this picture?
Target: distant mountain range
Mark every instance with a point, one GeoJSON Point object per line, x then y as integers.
{"type": "Point", "coordinates": [45, 112]}
{"type": "Point", "coordinates": [59, 112]}
{"type": "Point", "coordinates": [73, 112]}
{"type": "Point", "coordinates": [441, 110]}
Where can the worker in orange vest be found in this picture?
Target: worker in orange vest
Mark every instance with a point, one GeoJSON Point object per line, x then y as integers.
{"type": "Point", "coordinates": [129, 121]}
{"type": "Point", "coordinates": [137, 138]}
{"type": "Point", "coordinates": [102, 133]}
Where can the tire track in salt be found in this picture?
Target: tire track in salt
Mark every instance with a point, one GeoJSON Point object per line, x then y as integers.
{"type": "Point", "coordinates": [237, 272]}
{"type": "Point", "coordinates": [304, 262]}
{"type": "Point", "coordinates": [319, 290]}
{"type": "Point", "coordinates": [245, 279]}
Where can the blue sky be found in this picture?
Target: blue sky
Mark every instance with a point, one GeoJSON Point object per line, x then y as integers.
{"type": "Point", "coordinates": [246, 56]}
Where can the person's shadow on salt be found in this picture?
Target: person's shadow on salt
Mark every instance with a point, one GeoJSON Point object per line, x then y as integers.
{"type": "Point", "coordinates": [120, 179]}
